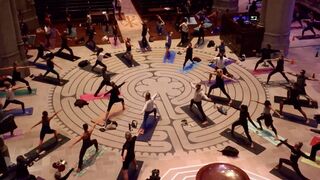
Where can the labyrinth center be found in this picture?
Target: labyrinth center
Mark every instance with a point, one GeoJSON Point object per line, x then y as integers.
{"type": "Point", "coordinates": [174, 91]}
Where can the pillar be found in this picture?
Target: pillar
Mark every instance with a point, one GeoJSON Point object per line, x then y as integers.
{"type": "Point", "coordinates": [11, 46]}
{"type": "Point", "coordinates": [223, 5]}
{"type": "Point", "coordinates": [28, 12]}
{"type": "Point", "coordinates": [276, 18]}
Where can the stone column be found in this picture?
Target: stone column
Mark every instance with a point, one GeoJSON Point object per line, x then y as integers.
{"type": "Point", "coordinates": [223, 5]}
{"type": "Point", "coordinates": [28, 12]}
{"type": "Point", "coordinates": [10, 39]}
{"type": "Point", "coordinates": [277, 20]}
{"type": "Point", "coordinates": [263, 12]}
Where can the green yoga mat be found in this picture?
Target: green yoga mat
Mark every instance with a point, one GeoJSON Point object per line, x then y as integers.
{"type": "Point", "coordinates": [266, 134]}
{"type": "Point", "coordinates": [315, 164]}
{"type": "Point", "coordinates": [21, 92]}
{"type": "Point", "coordinates": [90, 158]}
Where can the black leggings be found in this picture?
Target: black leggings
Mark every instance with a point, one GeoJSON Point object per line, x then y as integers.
{"type": "Point", "coordinates": [308, 28]}
{"type": "Point", "coordinates": [13, 101]}
{"type": "Point", "coordinates": [13, 82]}
{"type": "Point", "coordinates": [267, 121]}
{"type": "Point", "coordinates": [199, 106]}
{"type": "Point", "coordinates": [112, 101]}
{"type": "Point", "coordinates": [103, 83]}
{"type": "Point", "coordinates": [98, 63]}
{"type": "Point", "coordinates": [314, 150]}
{"type": "Point", "coordinates": [39, 55]}
{"type": "Point", "coordinates": [186, 60]}
{"type": "Point", "coordinates": [277, 71]}
{"type": "Point", "coordinates": [222, 88]}
{"type": "Point", "coordinates": [52, 71]}
{"type": "Point", "coordinates": [67, 48]}
{"type": "Point", "coordinates": [84, 149]}
{"type": "Point", "coordinates": [261, 61]}
{"type": "Point", "coordinates": [294, 165]}
{"type": "Point", "coordinates": [245, 127]}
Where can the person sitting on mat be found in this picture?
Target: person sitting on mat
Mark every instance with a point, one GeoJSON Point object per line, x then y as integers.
{"type": "Point", "coordinates": [100, 57]}
{"type": "Point", "coordinates": [293, 99]}
{"type": "Point", "coordinates": [128, 154]}
{"type": "Point", "coordinates": [188, 57]}
{"type": "Point", "coordinates": [46, 129]}
{"type": "Point", "coordinates": [16, 75]}
{"type": "Point", "coordinates": [50, 66]}
{"type": "Point", "coordinates": [301, 82]}
{"type": "Point", "coordinates": [7, 123]}
{"type": "Point", "coordinates": [243, 121]}
{"type": "Point", "coordinates": [41, 52]}
{"type": "Point", "coordinates": [87, 142]}
{"type": "Point", "coordinates": [148, 108]}
{"type": "Point", "coordinates": [267, 117]}
{"type": "Point", "coordinates": [128, 55]}
{"type": "Point", "coordinates": [296, 153]}
{"type": "Point", "coordinates": [9, 90]}
{"type": "Point", "coordinates": [64, 44]}
{"type": "Point", "coordinates": [197, 99]}
{"type": "Point", "coordinates": [105, 82]}
{"type": "Point", "coordinates": [279, 67]}
{"type": "Point", "coordinates": [220, 63]}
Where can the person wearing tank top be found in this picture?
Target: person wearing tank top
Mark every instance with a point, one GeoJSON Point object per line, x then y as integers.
{"type": "Point", "coordinates": [86, 143]}
{"type": "Point", "coordinates": [9, 91]}
{"type": "Point", "coordinates": [279, 68]}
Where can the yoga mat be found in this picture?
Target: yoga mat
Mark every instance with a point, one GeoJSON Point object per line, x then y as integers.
{"type": "Point", "coordinates": [308, 37]}
{"type": "Point", "coordinates": [225, 101]}
{"type": "Point", "coordinates": [91, 97]}
{"type": "Point", "coordinates": [16, 132]}
{"type": "Point", "coordinates": [213, 65]}
{"type": "Point", "coordinates": [242, 141]}
{"type": "Point", "coordinates": [266, 134]}
{"type": "Point", "coordinates": [50, 80]}
{"type": "Point", "coordinates": [189, 67]}
{"type": "Point", "coordinates": [19, 112]}
{"type": "Point", "coordinates": [133, 173]}
{"type": "Point", "coordinates": [66, 56]}
{"type": "Point", "coordinates": [126, 61]}
{"type": "Point", "coordinates": [47, 147]}
{"type": "Point", "coordinates": [21, 92]}
{"type": "Point", "coordinates": [213, 81]}
{"type": "Point", "coordinates": [262, 71]}
{"type": "Point", "coordinates": [303, 102]}
{"type": "Point", "coordinates": [118, 45]}
{"type": "Point", "coordinates": [196, 116]}
{"type": "Point", "coordinates": [315, 164]}
{"type": "Point", "coordinates": [315, 140]}
{"type": "Point", "coordinates": [297, 119]}
{"type": "Point", "coordinates": [148, 48]}
{"type": "Point", "coordinates": [91, 48]}
{"type": "Point", "coordinates": [90, 158]}
{"type": "Point", "coordinates": [169, 59]}
{"type": "Point", "coordinates": [148, 132]}
{"type": "Point", "coordinates": [285, 173]}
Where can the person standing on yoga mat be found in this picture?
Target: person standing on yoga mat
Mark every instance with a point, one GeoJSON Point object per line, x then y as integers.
{"type": "Point", "coordinates": [128, 55]}
{"type": "Point", "coordinates": [144, 35]}
{"type": "Point", "coordinates": [128, 154]}
{"type": "Point", "coordinates": [220, 63]}
{"type": "Point", "coordinates": [105, 82]}
{"type": "Point", "coordinates": [41, 52]}
{"type": "Point", "coordinates": [311, 23]}
{"type": "Point", "coordinates": [189, 55]}
{"type": "Point", "coordinates": [9, 90]}
{"type": "Point", "coordinates": [50, 66]}
{"type": "Point", "coordinates": [100, 57]}
{"type": "Point", "coordinates": [296, 153]}
{"type": "Point", "coordinates": [114, 98]}
{"type": "Point", "coordinates": [148, 108]}
{"type": "Point", "coordinates": [279, 68]}
{"type": "Point", "coordinates": [64, 44]}
{"type": "Point", "coordinates": [266, 56]}
{"type": "Point", "coordinates": [293, 99]}
{"type": "Point", "coordinates": [115, 34]}
{"type": "Point", "coordinates": [243, 121]}
{"type": "Point", "coordinates": [184, 30]}
{"type": "Point", "coordinates": [86, 143]}
{"type": "Point", "coordinates": [220, 83]}
{"type": "Point", "coordinates": [197, 99]}
{"type": "Point", "coordinates": [200, 34]}
{"type": "Point", "coordinates": [16, 75]}
{"type": "Point", "coordinates": [267, 117]}
{"type": "Point", "coordinates": [46, 129]}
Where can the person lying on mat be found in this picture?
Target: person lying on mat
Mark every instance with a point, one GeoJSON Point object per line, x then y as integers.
{"type": "Point", "coordinates": [148, 108]}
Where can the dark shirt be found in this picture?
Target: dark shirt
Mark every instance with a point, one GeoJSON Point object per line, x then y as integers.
{"type": "Point", "coordinates": [64, 40]}
{"type": "Point", "coordinates": [144, 30]}
{"type": "Point", "coordinates": [114, 93]}
{"type": "Point", "coordinates": [280, 64]}
{"type": "Point", "coordinates": [22, 171]}
{"type": "Point", "coordinates": [219, 81]}
{"type": "Point", "coordinates": [45, 124]}
{"type": "Point", "coordinates": [24, 28]}
{"type": "Point", "coordinates": [50, 64]}
{"type": "Point", "coordinates": [243, 117]}
{"type": "Point", "coordinates": [266, 53]}
{"type": "Point", "coordinates": [295, 154]}
{"type": "Point", "coordinates": [201, 31]}
{"type": "Point", "coordinates": [129, 146]}
{"type": "Point", "coordinates": [106, 76]}
{"type": "Point", "coordinates": [301, 80]}
{"type": "Point", "coordinates": [128, 46]}
{"type": "Point", "coordinates": [189, 52]}
{"type": "Point", "coordinates": [16, 74]}
{"type": "Point", "coordinates": [86, 139]}
{"type": "Point", "coordinates": [294, 94]}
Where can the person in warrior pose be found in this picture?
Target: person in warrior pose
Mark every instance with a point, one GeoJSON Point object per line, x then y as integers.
{"type": "Point", "coordinates": [220, 83]}
{"type": "Point", "coordinates": [220, 63]}
{"type": "Point", "coordinates": [189, 52]}
{"type": "Point", "coordinates": [148, 108]}
{"type": "Point", "coordinates": [243, 121]}
{"type": "Point", "coordinates": [267, 117]}
{"type": "Point", "coordinates": [279, 68]}
{"type": "Point", "coordinates": [266, 56]}
{"type": "Point", "coordinates": [296, 153]}
{"type": "Point", "coordinates": [128, 54]}
{"type": "Point", "coordinates": [9, 90]}
{"type": "Point", "coordinates": [41, 53]}
{"type": "Point", "coordinates": [86, 143]}
{"type": "Point", "coordinates": [100, 57]}
{"type": "Point", "coordinates": [105, 82]}
{"type": "Point", "coordinates": [50, 66]}
{"type": "Point", "coordinates": [64, 44]}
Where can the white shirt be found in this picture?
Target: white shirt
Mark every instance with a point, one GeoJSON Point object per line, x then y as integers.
{"type": "Point", "coordinates": [220, 62]}
{"type": "Point", "coordinates": [9, 94]}
{"type": "Point", "coordinates": [149, 105]}
{"type": "Point", "coordinates": [199, 95]}
{"type": "Point", "coordinates": [184, 27]}
{"type": "Point", "coordinates": [100, 56]}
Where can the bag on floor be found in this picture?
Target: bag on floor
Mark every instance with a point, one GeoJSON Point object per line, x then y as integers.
{"type": "Point", "coordinates": [211, 44]}
{"type": "Point", "coordinates": [196, 59]}
{"type": "Point", "coordinates": [80, 103]}
{"type": "Point", "coordinates": [83, 63]}
{"type": "Point", "coordinates": [230, 151]}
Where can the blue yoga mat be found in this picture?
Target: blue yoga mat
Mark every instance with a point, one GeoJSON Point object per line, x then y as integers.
{"type": "Point", "coordinates": [151, 126]}
{"type": "Point", "coordinates": [298, 119]}
{"type": "Point", "coordinates": [18, 112]}
{"type": "Point", "coordinates": [189, 67]}
{"type": "Point", "coordinates": [41, 66]}
{"type": "Point", "coordinates": [213, 65]}
{"type": "Point", "coordinates": [169, 59]}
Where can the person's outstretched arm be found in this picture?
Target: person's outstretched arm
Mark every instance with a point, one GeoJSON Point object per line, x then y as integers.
{"type": "Point", "coordinates": [249, 118]}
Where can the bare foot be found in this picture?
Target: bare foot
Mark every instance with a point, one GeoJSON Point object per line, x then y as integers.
{"type": "Point", "coordinates": [78, 170]}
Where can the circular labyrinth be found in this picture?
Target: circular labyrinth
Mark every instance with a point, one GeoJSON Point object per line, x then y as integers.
{"type": "Point", "coordinates": [175, 92]}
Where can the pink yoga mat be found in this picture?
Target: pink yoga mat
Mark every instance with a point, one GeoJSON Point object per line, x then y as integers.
{"type": "Point", "coordinates": [91, 97]}
{"type": "Point", "coordinates": [16, 132]}
{"type": "Point", "coordinates": [262, 71]}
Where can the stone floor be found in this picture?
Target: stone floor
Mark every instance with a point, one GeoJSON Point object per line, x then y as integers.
{"type": "Point", "coordinates": [177, 151]}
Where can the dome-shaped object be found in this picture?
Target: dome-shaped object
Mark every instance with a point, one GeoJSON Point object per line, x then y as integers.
{"type": "Point", "coordinates": [221, 171]}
